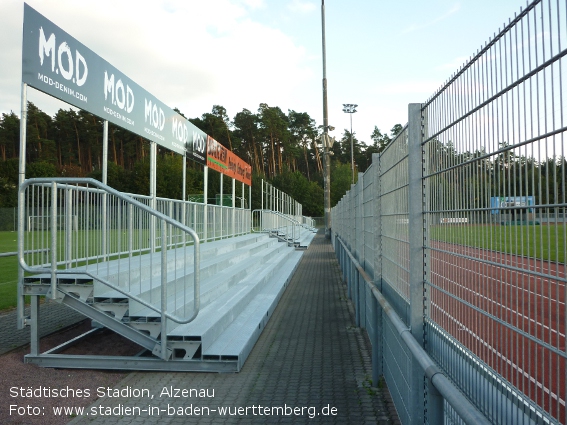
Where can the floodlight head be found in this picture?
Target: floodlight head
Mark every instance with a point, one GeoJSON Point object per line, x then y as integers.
{"type": "Point", "coordinates": [349, 108]}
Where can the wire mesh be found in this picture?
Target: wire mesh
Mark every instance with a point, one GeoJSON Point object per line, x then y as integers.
{"type": "Point", "coordinates": [494, 219]}
{"type": "Point", "coordinates": [495, 170]}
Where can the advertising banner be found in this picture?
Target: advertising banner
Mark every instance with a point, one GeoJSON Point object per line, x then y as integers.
{"type": "Point", "coordinates": [503, 202]}
{"type": "Point", "coordinates": [57, 64]}
{"type": "Point", "coordinates": [224, 161]}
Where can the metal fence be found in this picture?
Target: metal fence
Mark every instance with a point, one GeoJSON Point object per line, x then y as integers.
{"type": "Point", "coordinates": [274, 199]}
{"type": "Point", "coordinates": [211, 222]}
{"type": "Point", "coordinates": [459, 225]}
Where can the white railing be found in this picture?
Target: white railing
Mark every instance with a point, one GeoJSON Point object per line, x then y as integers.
{"type": "Point", "coordinates": [277, 224]}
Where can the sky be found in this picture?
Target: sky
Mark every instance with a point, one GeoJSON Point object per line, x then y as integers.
{"type": "Point", "coordinates": [192, 54]}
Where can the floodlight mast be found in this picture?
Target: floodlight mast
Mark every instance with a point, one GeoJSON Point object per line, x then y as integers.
{"type": "Point", "coordinates": [326, 158]}
{"type": "Point", "coordinates": [350, 108]}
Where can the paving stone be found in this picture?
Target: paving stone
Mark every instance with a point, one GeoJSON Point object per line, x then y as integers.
{"type": "Point", "coordinates": [54, 317]}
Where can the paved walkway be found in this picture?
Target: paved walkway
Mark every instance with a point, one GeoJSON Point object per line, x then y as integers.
{"type": "Point", "coordinates": [310, 365]}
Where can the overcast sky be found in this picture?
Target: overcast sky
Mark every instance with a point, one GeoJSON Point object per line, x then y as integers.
{"type": "Point", "coordinates": [193, 54]}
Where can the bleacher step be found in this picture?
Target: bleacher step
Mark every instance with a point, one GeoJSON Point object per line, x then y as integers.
{"type": "Point", "coordinates": [238, 339]}
{"type": "Point", "coordinates": [219, 314]}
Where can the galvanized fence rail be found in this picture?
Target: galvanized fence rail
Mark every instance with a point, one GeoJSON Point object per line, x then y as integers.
{"type": "Point", "coordinates": [459, 225]}
{"type": "Point", "coordinates": [221, 221]}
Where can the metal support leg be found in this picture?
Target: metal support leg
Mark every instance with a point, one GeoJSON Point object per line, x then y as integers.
{"type": "Point", "coordinates": [34, 325]}
{"type": "Point", "coordinates": [356, 281]}
{"type": "Point", "coordinates": [435, 414]}
{"type": "Point", "coordinates": [376, 342]}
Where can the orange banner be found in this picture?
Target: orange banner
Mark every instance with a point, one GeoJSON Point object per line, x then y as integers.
{"type": "Point", "coordinates": [224, 161]}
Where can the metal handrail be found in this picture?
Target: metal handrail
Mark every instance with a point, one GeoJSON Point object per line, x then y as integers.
{"type": "Point", "coordinates": [70, 182]}
{"type": "Point", "coordinates": [15, 253]}
{"type": "Point", "coordinates": [465, 409]}
{"type": "Point", "coordinates": [280, 217]}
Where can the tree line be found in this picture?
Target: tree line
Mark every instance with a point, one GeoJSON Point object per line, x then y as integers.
{"type": "Point", "coordinates": [282, 148]}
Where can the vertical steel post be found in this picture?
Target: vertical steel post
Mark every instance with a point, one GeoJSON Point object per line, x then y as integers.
{"type": "Point", "coordinates": [361, 252]}
{"type": "Point", "coordinates": [184, 197]}
{"type": "Point", "coordinates": [232, 230]}
{"type": "Point", "coordinates": [53, 240]}
{"type": "Point", "coordinates": [376, 342]}
{"type": "Point", "coordinates": [153, 162]}
{"type": "Point", "coordinates": [130, 240]}
{"type": "Point", "coordinates": [105, 152]}
{"type": "Point", "coordinates": [68, 226]}
{"type": "Point", "coordinates": [163, 333]}
{"type": "Point", "coordinates": [205, 201]}
{"type": "Point", "coordinates": [221, 201]}
{"type": "Point", "coordinates": [351, 149]}
{"type": "Point", "coordinates": [326, 158]}
{"type": "Point", "coordinates": [21, 208]}
{"type": "Point", "coordinates": [435, 410]}
{"type": "Point", "coordinates": [416, 251]}
{"type": "Point", "coordinates": [377, 352]}
{"type": "Point", "coordinates": [360, 236]}
{"type": "Point", "coordinates": [184, 179]}
{"type": "Point", "coordinates": [104, 181]}
{"type": "Point", "coordinates": [377, 221]}
{"type": "Point", "coordinates": [170, 233]}
{"type": "Point", "coordinates": [250, 205]}
{"type": "Point", "coordinates": [34, 325]}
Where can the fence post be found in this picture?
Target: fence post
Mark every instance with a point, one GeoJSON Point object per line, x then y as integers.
{"type": "Point", "coordinates": [377, 352]}
{"type": "Point", "coordinates": [415, 210]}
{"type": "Point", "coordinates": [53, 237]}
{"type": "Point", "coordinates": [163, 324]}
{"type": "Point", "coordinates": [233, 228]}
{"type": "Point", "coordinates": [153, 200]}
{"type": "Point", "coordinates": [205, 202]}
{"type": "Point", "coordinates": [361, 251]}
{"type": "Point", "coordinates": [68, 226]}
{"type": "Point", "coordinates": [221, 202]}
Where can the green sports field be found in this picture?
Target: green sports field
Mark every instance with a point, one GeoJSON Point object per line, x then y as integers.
{"type": "Point", "coordinates": [9, 270]}
{"type": "Point", "coordinates": [87, 243]}
{"type": "Point", "coordinates": [545, 242]}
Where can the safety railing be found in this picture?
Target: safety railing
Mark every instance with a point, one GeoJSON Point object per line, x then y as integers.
{"type": "Point", "coordinates": [277, 224]}
{"type": "Point", "coordinates": [361, 285]}
{"type": "Point", "coordinates": [307, 222]}
{"type": "Point", "coordinates": [210, 222]}
{"type": "Point", "coordinates": [275, 200]}
{"type": "Point", "coordinates": [93, 230]}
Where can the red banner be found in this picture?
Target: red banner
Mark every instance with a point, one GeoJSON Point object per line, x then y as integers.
{"type": "Point", "coordinates": [224, 161]}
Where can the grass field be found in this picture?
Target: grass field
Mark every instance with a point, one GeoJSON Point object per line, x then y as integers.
{"type": "Point", "coordinates": [545, 242]}
{"type": "Point", "coordinates": [86, 243]}
{"type": "Point", "coordinates": [9, 270]}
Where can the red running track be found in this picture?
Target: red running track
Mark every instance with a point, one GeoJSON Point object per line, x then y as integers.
{"type": "Point", "coordinates": [528, 296]}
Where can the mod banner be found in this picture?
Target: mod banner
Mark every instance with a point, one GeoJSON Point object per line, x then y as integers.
{"type": "Point", "coordinates": [224, 161]}
{"type": "Point", "coordinates": [59, 65]}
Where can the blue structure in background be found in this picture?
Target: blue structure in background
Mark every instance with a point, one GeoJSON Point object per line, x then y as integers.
{"type": "Point", "coordinates": [498, 203]}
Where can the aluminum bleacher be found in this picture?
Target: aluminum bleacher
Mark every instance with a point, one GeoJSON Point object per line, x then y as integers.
{"type": "Point", "coordinates": [190, 306]}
